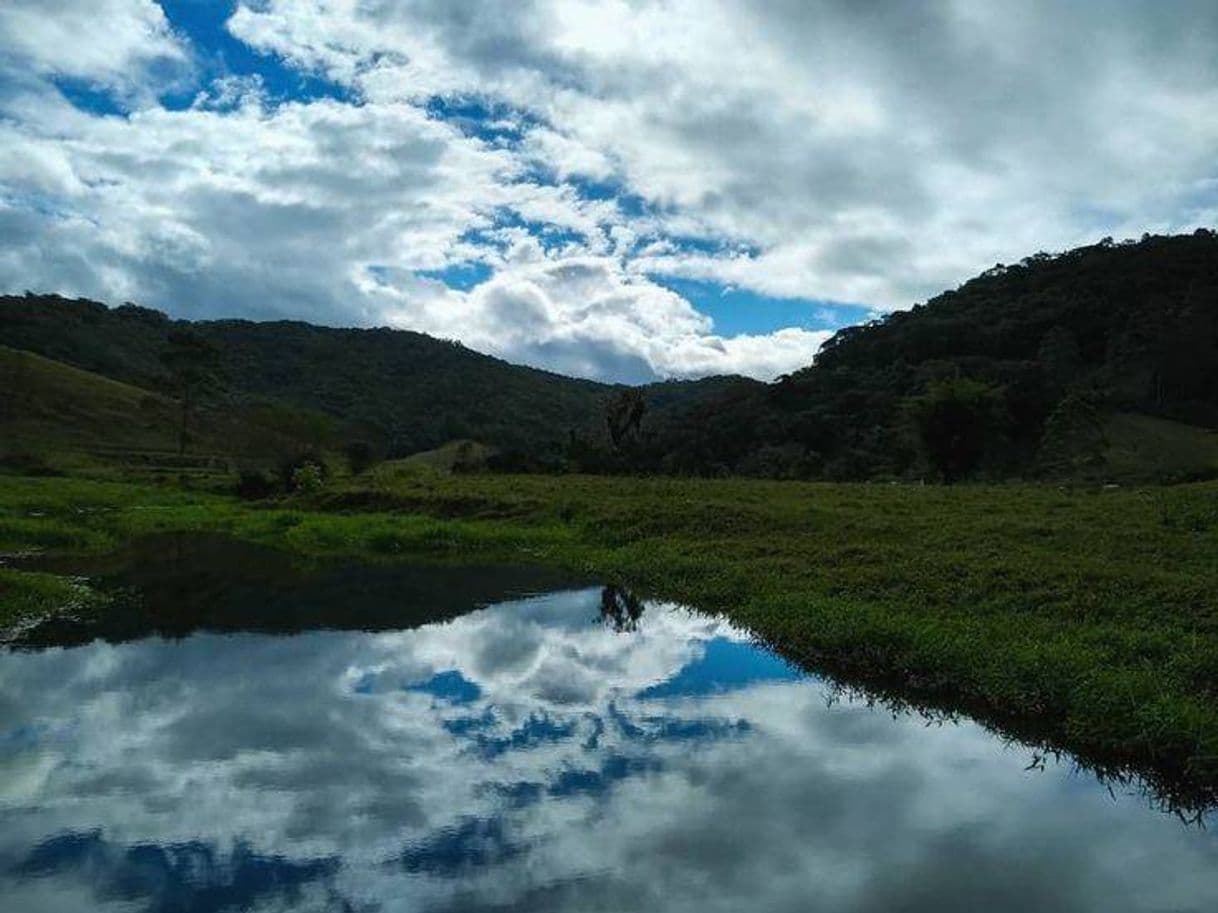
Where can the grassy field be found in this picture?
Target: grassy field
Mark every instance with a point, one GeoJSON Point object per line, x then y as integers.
{"type": "Point", "coordinates": [1083, 618]}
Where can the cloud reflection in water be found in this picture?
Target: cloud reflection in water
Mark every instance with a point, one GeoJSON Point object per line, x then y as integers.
{"type": "Point", "coordinates": [527, 756]}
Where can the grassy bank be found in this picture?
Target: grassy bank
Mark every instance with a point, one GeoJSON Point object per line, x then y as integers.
{"type": "Point", "coordinates": [1086, 617]}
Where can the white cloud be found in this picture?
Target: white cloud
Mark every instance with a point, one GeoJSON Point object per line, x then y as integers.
{"type": "Point", "coordinates": [815, 151]}
{"type": "Point", "coordinates": [323, 211]}
{"type": "Point", "coordinates": [109, 42]}
{"type": "Point", "coordinates": [874, 156]}
{"type": "Point", "coordinates": [586, 316]}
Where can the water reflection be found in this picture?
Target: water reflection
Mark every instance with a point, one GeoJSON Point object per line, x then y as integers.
{"type": "Point", "coordinates": [572, 751]}
{"type": "Point", "coordinates": [620, 609]}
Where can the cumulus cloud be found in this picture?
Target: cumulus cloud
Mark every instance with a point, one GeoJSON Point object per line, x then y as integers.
{"type": "Point", "coordinates": [810, 150]}
{"type": "Point", "coordinates": [872, 155]}
{"type": "Point", "coordinates": [588, 316]}
{"type": "Point", "coordinates": [110, 42]}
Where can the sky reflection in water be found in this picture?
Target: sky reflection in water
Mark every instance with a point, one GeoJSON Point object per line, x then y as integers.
{"type": "Point", "coordinates": [531, 756]}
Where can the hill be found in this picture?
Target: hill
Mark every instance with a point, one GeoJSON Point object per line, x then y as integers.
{"type": "Point", "coordinates": [1048, 367]}
{"type": "Point", "coordinates": [1100, 362]}
{"type": "Point", "coordinates": [54, 417]}
{"type": "Point", "coordinates": [400, 392]}
{"type": "Point", "coordinates": [403, 392]}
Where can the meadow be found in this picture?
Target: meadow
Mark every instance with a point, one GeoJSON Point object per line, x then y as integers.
{"type": "Point", "coordinates": [1078, 618]}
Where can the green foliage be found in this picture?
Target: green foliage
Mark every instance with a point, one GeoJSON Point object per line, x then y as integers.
{"type": "Point", "coordinates": [361, 456]}
{"type": "Point", "coordinates": [957, 422]}
{"type": "Point", "coordinates": [1074, 441]}
{"type": "Point", "coordinates": [624, 414]}
{"type": "Point", "coordinates": [191, 362]}
{"type": "Point", "coordinates": [26, 596]}
{"type": "Point", "coordinates": [69, 420]}
{"type": "Point", "coordinates": [307, 467]}
{"type": "Point", "coordinates": [1059, 357]}
{"type": "Point", "coordinates": [403, 392]}
{"type": "Point", "coordinates": [454, 456]}
{"type": "Point", "coordinates": [307, 478]}
{"type": "Point", "coordinates": [1135, 324]}
{"type": "Point", "coordinates": [1142, 446]}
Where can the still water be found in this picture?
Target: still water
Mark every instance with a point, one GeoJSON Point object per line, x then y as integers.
{"type": "Point", "coordinates": [239, 734]}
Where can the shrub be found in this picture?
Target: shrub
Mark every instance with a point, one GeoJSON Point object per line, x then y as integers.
{"type": "Point", "coordinates": [255, 484]}
{"type": "Point", "coordinates": [307, 478]}
{"type": "Point", "coordinates": [289, 466]}
{"type": "Point", "coordinates": [957, 422]}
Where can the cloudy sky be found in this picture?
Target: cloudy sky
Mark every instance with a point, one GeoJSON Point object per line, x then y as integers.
{"type": "Point", "coordinates": [697, 186]}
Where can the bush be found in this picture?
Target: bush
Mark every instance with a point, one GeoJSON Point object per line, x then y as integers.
{"type": "Point", "coordinates": [255, 485]}
{"type": "Point", "coordinates": [307, 477]}
{"type": "Point", "coordinates": [289, 466]}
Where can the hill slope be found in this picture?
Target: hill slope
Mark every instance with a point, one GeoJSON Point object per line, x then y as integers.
{"type": "Point", "coordinates": [1048, 350]}
{"type": "Point", "coordinates": [56, 415]}
{"type": "Point", "coordinates": [1053, 367]}
{"type": "Point", "coordinates": [405, 391]}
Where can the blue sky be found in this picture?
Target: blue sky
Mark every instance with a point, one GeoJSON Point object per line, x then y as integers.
{"type": "Point", "coordinates": [203, 23]}
{"type": "Point", "coordinates": [618, 191]}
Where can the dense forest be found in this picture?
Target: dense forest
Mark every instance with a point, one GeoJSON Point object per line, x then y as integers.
{"type": "Point", "coordinates": [1030, 369]}
{"type": "Point", "coordinates": [401, 391]}
{"type": "Point", "coordinates": [1018, 372]}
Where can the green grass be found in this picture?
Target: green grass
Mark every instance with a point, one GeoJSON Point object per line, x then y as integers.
{"type": "Point", "coordinates": [1145, 447]}
{"type": "Point", "coordinates": [455, 455]}
{"type": "Point", "coordinates": [26, 596]}
{"type": "Point", "coordinates": [1086, 618]}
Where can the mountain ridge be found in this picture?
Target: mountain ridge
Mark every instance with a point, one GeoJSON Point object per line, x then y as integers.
{"type": "Point", "coordinates": [1013, 373]}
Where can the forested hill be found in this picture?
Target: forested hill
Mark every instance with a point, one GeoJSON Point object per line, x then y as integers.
{"type": "Point", "coordinates": [1100, 362]}
{"type": "Point", "coordinates": [1112, 327]}
{"type": "Point", "coordinates": [1056, 365]}
{"type": "Point", "coordinates": [404, 391]}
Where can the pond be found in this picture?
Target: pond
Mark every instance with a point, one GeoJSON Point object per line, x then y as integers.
{"type": "Point", "coordinates": [239, 733]}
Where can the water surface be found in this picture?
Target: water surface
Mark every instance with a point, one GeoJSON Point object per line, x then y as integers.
{"type": "Point", "coordinates": [244, 735]}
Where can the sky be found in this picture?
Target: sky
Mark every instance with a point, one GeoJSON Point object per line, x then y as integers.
{"type": "Point", "coordinates": [625, 191]}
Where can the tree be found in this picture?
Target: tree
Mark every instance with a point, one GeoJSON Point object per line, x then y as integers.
{"type": "Point", "coordinates": [1059, 357]}
{"type": "Point", "coordinates": [1188, 354]}
{"type": "Point", "coordinates": [624, 414]}
{"type": "Point", "coordinates": [360, 456]}
{"type": "Point", "coordinates": [1074, 440]}
{"type": "Point", "coordinates": [957, 421]}
{"type": "Point", "coordinates": [620, 609]}
{"type": "Point", "coordinates": [192, 365]}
